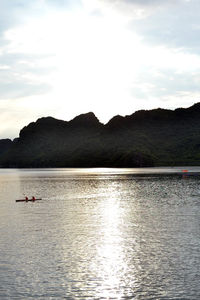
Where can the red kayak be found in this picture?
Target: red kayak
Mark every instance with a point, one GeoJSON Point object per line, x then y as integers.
{"type": "Point", "coordinates": [28, 200]}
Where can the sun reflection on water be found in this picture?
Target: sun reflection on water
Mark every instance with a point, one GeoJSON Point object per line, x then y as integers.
{"type": "Point", "coordinates": [95, 252]}
{"type": "Point", "coordinates": [110, 264]}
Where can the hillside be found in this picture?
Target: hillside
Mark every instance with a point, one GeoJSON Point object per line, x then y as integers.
{"type": "Point", "coordinates": [145, 138]}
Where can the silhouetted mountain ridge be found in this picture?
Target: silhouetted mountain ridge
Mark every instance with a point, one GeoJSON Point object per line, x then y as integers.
{"type": "Point", "coordinates": [144, 138]}
{"type": "Point", "coordinates": [86, 120]}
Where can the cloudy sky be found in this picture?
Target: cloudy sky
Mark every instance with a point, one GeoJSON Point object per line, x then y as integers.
{"type": "Point", "coordinates": [62, 58]}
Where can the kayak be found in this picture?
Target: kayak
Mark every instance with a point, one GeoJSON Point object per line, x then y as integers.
{"type": "Point", "coordinates": [29, 200]}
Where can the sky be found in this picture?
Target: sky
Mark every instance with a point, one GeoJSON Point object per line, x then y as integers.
{"type": "Point", "coordinates": [62, 58]}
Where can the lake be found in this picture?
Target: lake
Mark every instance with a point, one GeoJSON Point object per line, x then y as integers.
{"type": "Point", "coordinates": [100, 234]}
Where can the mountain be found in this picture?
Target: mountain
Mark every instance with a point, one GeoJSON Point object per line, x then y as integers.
{"type": "Point", "coordinates": [145, 138]}
{"type": "Point", "coordinates": [5, 144]}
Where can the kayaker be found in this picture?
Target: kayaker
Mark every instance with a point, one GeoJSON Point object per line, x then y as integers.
{"type": "Point", "coordinates": [26, 198]}
{"type": "Point", "coordinates": [33, 198]}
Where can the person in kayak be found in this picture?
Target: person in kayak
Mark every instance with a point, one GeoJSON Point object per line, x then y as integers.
{"type": "Point", "coordinates": [33, 198]}
{"type": "Point", "coordinates": [26, 198]}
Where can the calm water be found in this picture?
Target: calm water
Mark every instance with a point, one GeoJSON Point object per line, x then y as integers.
{"type": "Point", "coordinates": [100, 234]}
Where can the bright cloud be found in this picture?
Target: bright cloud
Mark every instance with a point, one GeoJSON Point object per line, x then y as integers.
{"type": "Point", "coordinates": [72, 57]}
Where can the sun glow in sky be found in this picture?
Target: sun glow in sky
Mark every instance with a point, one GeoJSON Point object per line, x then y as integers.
{"type": "Point", "coordinates": [65, 58]}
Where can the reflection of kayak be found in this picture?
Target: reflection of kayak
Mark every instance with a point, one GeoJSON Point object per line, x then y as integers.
{"type": "Point", "coordinates": [29, 200]}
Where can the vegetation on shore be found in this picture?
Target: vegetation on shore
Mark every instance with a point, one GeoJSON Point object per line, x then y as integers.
{"type": "Point", "coordinates": [145, 138]}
